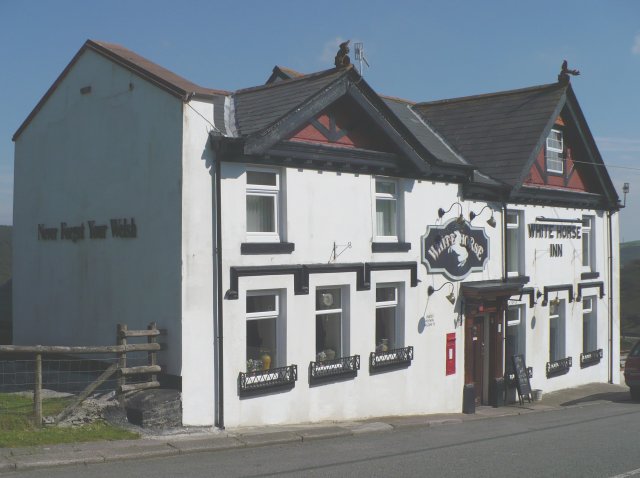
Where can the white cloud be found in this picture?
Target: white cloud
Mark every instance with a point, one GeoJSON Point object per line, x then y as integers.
{"type": "Point", "coordinates": [329, 51]}
{"type": "Point", "coordinates": [635, 49]}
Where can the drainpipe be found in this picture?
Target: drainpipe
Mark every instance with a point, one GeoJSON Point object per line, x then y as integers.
{"type": "Point", "coordinates": [610, 296]}
{"type": "Point", "coordinates": [504, 242]}
{"type": "Point", "coordinates": [219, 360]}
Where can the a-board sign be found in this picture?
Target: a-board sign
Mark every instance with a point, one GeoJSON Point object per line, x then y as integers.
{"type": "Point", "coordinates": [522, 377]}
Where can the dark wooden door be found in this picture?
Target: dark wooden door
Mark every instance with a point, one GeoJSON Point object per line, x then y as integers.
{"type": "Point", "coordinates": [475, 355]}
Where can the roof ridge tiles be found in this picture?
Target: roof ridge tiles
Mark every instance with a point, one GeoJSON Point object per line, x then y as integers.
{"type": "Point", "coordinates": [291, 81]}
{"type": "Point", "coordinates": [492, 94]}
{"type": "Point", "coordinates": [398, 99]}
{"type": "Point", "coordinates": [145, 66]}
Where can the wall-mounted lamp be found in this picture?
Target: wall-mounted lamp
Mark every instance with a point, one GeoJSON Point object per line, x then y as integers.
{"type": "Point", "coordinates": [450, 297]}
{"type": "Point", "coordinates": [442, 212]}
{"type": "Point", "coordinates": [491, 221]}
{"type": "Point", "coordinates": [625, 191]}
{"type": "Point", "coordinates": [555, 302]}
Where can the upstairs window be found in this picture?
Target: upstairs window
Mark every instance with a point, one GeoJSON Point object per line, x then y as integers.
{"type": "Point", "coordinates": [514, 242]}
{"type": "Point", "coordinates": [263, 205]}
{"type": "Point", "coordinates": [588, 249]}
{"type": "Point", "coordinates": [554, 152]}
{"type": "Point", "coordinates": [386, 211]}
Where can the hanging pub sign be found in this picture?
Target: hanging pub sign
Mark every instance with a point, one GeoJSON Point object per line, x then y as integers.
{"type": "Point", "coordinates": [455, 249]}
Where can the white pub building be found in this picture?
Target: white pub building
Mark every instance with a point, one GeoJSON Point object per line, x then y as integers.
{"type": "Point", "coordinates": [314, 250]}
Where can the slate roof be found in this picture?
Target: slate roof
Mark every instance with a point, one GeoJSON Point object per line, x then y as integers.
{"type": "Point", "coordinates": [258, 108]}
{"type": "Point", "coordinates": [419, 128]}
{"type": "Point", "coordinates": [496, 132]}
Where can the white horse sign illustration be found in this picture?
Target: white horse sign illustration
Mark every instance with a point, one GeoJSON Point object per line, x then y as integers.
{"type": "Point", "coordinates": [455, 249]}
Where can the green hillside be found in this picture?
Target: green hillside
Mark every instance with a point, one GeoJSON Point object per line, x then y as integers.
{"type": "Point", "coordinates": [5, 253]}
{"type": "Point", "coordinates": [629, 251]}
{"type": "Point", "coordinates": [629, 298]}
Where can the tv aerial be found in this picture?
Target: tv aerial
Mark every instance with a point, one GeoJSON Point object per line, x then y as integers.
{"type": "Point", "coordinates": [360, 58]}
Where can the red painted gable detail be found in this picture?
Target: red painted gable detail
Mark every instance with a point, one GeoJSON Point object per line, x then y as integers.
{"type": "Point", "coordinates": [342, 125]}
{"type": "Point", "coordinates": [573, 178]}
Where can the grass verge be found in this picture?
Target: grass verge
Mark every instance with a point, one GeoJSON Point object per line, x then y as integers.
{"type": "Point", "coordinates": [17, 428]}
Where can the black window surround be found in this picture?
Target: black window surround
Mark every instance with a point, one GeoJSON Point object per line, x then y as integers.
{"type": "Point", "coordinates": [589, 275]}
{"type": "Point", "coordinates": [587, 285]}
{"type": "Point", "coordinates": [390, 247]}
{"type": "Point", "coordinates": [391, 359]}
{"type": "Point", "coordinates": [247, 248]}
{"type": "Point", "coordinates": [301, 274]}
{"type": "Point", "coordinates": [326, 370]}
{"type": "Point", "coordinates": [559, 367]}
{"type": "Point", "coordinates": [590, 358]}
{"type": "Point", "coordinates": [557, 288]}
{"type": "Point", "coordinates": [265, 381]}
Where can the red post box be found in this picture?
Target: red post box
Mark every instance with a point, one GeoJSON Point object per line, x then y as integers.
{"type": "Point", "coordinates": [451, 354]}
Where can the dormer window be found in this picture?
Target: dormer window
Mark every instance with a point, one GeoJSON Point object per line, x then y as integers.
{"type": "Point", "coordinates": [554, 152]}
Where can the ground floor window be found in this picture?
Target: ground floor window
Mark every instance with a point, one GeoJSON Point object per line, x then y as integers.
{"type": "Point", "coordinates": [589, 324]}
{"type": "Point", "coordinates": [556, 330]}
{"type": "Point", "coordinates": [515, 341]}
{"type": "Point", "coordinates": [265, 347]}
{"type": "Point", "coordinates": [331, 324]}
{"type": "Point", "coordinates": [388, 318]}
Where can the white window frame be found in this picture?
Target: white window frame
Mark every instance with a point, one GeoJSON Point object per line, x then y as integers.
{"type": "Point", "coordinates": [344, 316]}
{"type": "Point", "coordinates": [518, 226]}
{"type": "Point", "coordinates": [268, 191]}
{"type": "Point", "coordinates": [562, 331]}
{"type": "Point", "coordinates": [397, 304]}
{"type": "Point", "coordinates": [555, 149]}
{"type": "Point", "coordinates": [588, 231]}
{"type": "Point", "coordinates": [280, 357]}
{"type": "Point", "coordinates": [592, 313]}
{"type": "Point", "coordinates": [396, 197]}
{"type": "Point", "coordinates": [520, 323]}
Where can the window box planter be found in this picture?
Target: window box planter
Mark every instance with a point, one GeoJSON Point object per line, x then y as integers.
{"type": "Point", "coordinates": [267, 380]}
{"type": "Point", "coordinates": [342, 367]}
{"type": "Point", "coordinates": [559, 367]}
{"type": "Point", "coordinates": [590, 358]}
{"type": "Point", "coordinates": [396, 358]}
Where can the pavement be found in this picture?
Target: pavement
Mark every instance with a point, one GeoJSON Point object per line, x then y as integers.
{"type": "Point", "coordinates": [212, 439]}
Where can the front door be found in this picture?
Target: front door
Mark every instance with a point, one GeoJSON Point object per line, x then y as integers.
{"type": "Point", "coordinates": [475, 355]}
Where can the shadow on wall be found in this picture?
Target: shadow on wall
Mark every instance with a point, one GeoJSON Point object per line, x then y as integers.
{"type": "Point", "coordinates": [5, 313]}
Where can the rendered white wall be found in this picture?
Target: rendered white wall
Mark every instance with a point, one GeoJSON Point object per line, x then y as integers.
{"type": "Point", "coordinates": [197, 267]}
{"type": "Point", "coordinates": [112, 153]}
{"type": "Point", "coordinates": [323, 207]}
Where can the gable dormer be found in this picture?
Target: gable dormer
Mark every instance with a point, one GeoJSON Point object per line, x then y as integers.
{"type": "Point", "coordinates": [344, 125]}
{"type": "Point", "coordinates": [562, 162]}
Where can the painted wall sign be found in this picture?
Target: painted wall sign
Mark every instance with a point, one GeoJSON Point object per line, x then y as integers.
{"type": "Point", "coordinates": [553, 231]}
{"type": "Point", "coordinates": [455, 249]}
{"type": "Point", "coordinates": [123, 228]}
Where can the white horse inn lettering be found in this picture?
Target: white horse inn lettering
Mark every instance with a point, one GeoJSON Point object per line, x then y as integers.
{"type": "Point", "coordinates": [121, 228]}
{"type": "Point", "coordinates": [553, 231]}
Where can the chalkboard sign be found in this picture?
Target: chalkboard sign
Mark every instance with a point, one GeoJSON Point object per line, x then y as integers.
{"type": "Point", "coordinates": [522, 377]}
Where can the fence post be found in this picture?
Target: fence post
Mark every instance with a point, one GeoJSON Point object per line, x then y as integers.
{"type": "Point", "coordinates": [122, 356]}
{"type": "Point", "coordinates": [37, 392]}
{"type": "Point", "coordinates": [153, 357]}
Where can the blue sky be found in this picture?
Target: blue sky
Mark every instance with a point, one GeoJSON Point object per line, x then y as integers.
{"type": "Point", "coordinates": [420, 50]}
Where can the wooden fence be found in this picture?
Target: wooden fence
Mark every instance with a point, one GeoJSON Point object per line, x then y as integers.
{"type": "Point", "coordinates": [120, 369]}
